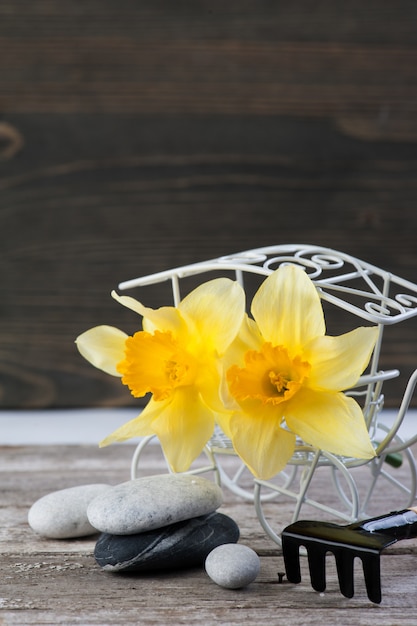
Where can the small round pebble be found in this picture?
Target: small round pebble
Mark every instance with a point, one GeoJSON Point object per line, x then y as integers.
{"type": "Point", "coordinates": [232, 565]}
{"type": "Point", "coordinates": [63, 514]}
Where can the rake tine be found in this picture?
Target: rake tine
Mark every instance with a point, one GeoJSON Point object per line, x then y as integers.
{"type": "Point", "coordinates": [344, 565]}
{"type": "Point", "coordinates": [371, 564]}
{"type": "Point", "coordinates": [291, 553]}
{"type": "Point", "coordinates": [316, 555]}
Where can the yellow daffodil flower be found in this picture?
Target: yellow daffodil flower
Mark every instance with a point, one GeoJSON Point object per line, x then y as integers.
{"type": "Point", "coordinates": [176, 358]}
{"type": "Point", "coordinates": [285, 377]}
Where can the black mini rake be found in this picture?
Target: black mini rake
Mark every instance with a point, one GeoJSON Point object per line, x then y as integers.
{"type": "Point", "coordinates": [364, 539]}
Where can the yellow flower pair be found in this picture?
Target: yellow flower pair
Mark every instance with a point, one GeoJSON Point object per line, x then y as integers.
{"type": "Point", "coordinates": [264, 379]}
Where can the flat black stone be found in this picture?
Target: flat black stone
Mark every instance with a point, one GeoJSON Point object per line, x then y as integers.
{"type": "Point", "coordinates": [179, 545]}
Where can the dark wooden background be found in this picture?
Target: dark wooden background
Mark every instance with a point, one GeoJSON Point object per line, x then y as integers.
{"type": "Point", "coordinates": [139, 135]}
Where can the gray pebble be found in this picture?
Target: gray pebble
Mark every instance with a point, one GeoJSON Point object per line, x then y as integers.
{"type": "Point", "coordinates": [63, 514]}
{"type": "Point", "coordinates": [232, 565]}
{"type": "Point", "coordinates": [153, 502]}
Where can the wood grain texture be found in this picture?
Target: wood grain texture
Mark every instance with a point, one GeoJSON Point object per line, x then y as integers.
{"type": "Point", "coordinates": [137, 136]}
{"type": "Point", "coordinates": [58, 582]}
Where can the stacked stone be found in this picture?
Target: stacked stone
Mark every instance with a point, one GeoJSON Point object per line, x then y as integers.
{"type": "Point", "coordinates": [161, 522]}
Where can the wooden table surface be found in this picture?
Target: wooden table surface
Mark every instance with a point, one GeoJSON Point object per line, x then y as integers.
{"type": "Point", "coordinates": [58, 582]}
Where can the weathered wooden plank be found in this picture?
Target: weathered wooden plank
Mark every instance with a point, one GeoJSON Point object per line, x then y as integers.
{"type": "Point", "coordinates": [373, 22]}
{"type": "Point", "coordinates": [168, 61]}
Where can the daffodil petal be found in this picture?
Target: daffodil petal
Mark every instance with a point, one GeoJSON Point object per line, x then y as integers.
{"type": "Point", "coordinates": [103, 347]}
{"type": "Point", "coordinates": [287, 309]}
{"type": "Point", "coordinates": [330, 421]}
{"type": "Point", "coordinates": [208, 383]}
{"type": "Point", "coordinates": [166, 318]}
{"type": "Point", "coordinates": [140, 426]}
{"type": "Point", "coordinates": [216, 308]}
{"type": "Point", "coordinates": [183, 428]}
{"type": "Point", "coordinates": [128, 302]}
{"type": "Point", "coordinates": [248, 338]}
{"type": "Point", "coordinates": [259, 440]}
{"type": "Point", "coordinates": [337, 362]}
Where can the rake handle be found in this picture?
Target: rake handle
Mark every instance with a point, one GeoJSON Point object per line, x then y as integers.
{"type": "Point", "coordinates": [398, 524]}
